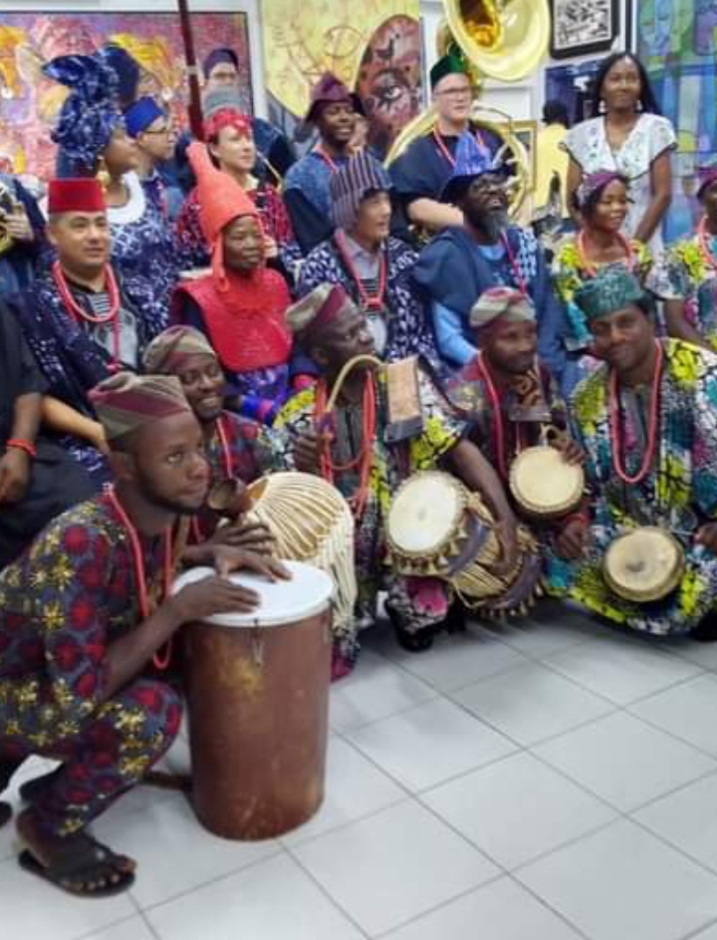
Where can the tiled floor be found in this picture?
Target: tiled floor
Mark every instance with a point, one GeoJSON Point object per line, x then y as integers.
{"type": "Point", "coordinates": [553, 780]}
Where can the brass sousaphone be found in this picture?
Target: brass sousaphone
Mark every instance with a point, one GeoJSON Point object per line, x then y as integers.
{"type": "Point", "coordinates": [503, 40]}
{"type": "Point", "coordinates": [7, 207]}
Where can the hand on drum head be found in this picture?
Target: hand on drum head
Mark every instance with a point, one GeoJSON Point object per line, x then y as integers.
{"type": "Point", "coordinates": [507, 534]}
{"type": "Point", "coordinates": [308, 448]}
{"type": "Point", "coordinates": [250, 536]}
{"type": "Point", "coordinates": [570, 543]}
{"type": "Point", "coordinates": [570, 450]}
{"type": "Point", "coordinates": [707, 536]}
{"type": "Point", "coordinates": [214, 595]}
{"type": "Point", "coordinates": [228, 559]}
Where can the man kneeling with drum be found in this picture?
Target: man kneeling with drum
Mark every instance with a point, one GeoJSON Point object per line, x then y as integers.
{"type": "Point", "coordinates": [366, 428]}
{"type": "Point", "coordinates": [644, 556]}
{"type": "Point", "coordinates": [517, 417]}
{"type": "Point", "coordinates": [83, 612]}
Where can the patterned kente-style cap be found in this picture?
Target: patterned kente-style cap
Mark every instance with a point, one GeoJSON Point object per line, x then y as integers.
{"type": "Point", "coordinates": [505, 303]}
{"type": "Point", "coordinates": [168, 352]}
{"type": "Point", "coordinates": [125, 401]}
{"type": "Point", "coordinates": [612, 289]}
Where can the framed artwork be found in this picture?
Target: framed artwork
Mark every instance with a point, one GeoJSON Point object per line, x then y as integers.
{"type": "Point", "coordinates": [526, 132]}
{"type": "Point", "coordinates": [582, 27]}
{"type": "Point", "coordinates": [30, 103]}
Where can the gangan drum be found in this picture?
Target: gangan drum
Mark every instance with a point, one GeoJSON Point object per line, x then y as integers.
{"type": "Point", "coordinates": [644, 565]}
{"type": "Point", "coordinates": [258, 693]}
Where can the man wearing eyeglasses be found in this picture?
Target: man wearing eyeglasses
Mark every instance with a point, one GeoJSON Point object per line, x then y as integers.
{"type": "Point", "coordinates": [152, 129]}
{"type": "Point", "coordinates": [422, 171]}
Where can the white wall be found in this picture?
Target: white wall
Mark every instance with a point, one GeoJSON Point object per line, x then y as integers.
{"type": "Point", "coordinates": [251, 7]}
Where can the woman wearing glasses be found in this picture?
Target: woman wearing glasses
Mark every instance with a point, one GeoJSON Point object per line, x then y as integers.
{"type": "Point", "coordinates": [152, 129]}
{"type": "Point", "coordinates": [422, 171]}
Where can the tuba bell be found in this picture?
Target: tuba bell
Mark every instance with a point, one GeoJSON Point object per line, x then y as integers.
{"type": "Point", "coordinates": [7, 207]}
{"type": "Point", "coordinates": [502, 40]}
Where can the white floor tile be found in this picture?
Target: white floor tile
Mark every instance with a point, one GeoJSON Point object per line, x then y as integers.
{"type": "Point", "coordinates": [274, 900]}
{"type": "Point", "coordinates": [355, 787]}
{"type": "Point", "coordinates": [709, 934]}
{"type": "Point", "coordinates": [623, 884]}
{"type": "Point", "coordinates": [624, 760]}
{"type": "Point", "coordinates": [702, 654]}
{"type": "Point", "coordinates": [376, 689]}
{"type": "Point", "coordinates": [388, 869]}
{"type": "Point", "coordinates": [133, 929]}
{"type": "Point", "coordinates": [33, 909]}
{"type": "Point", "coordinates": [531, 703]}
{"type": "Point", "coordinates": [621, 669]}
{"type": "Point", "coordinates": [430, 743]}
{"type": "Point", "coordinates": [538, 639]}
{"type": "Point", "coordinates": [174, 852]}
{"type": "Point", "coordinates": [460, 659]}
{"type": "Point", "coordinates": [517, 809]}
{"type": "Point", "coordinates": [688, 711]}
{"type": "Point", "coordinates": [687, 819]}
{"type": "Point", "coordinates": [501, 910]}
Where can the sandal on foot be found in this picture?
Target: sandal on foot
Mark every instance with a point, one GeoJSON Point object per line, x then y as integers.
{"type": "Point", "coordinates": [88, 869]}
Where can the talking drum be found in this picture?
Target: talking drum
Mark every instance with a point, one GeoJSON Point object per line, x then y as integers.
{"type": "Point", "coordinates": [439, 528]}
{"type": "Point", "coordinates": [258, 692]}
{"type": "Point", "coordinates": [311, 522]}
{"type": "Point", "coordinates": [644, 565]}
{"type": "Point", "coordinates": [544, 485]}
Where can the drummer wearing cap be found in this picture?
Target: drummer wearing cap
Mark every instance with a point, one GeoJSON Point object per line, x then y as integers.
{"type": "Point", "coordinates": [236, 448]}
{"type": "Point", "coordinates": [382, 429]}
{"type": "Point", "coordinates": [511, 397]}
{"type": "Point", "coordinates": [646, 421]}
{"type": "Point", "coordinates": [82, 614]}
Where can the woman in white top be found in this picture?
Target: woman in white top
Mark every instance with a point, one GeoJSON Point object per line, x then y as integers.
{"type": "Point", "coordinates": [626, 134]}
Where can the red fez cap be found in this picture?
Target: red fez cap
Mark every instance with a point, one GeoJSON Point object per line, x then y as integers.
{"type": "Point", "coordinates": [80, 195]}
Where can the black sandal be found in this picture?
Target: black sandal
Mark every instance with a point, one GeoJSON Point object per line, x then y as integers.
{"type": "Point", "coordinates": [88, 869]}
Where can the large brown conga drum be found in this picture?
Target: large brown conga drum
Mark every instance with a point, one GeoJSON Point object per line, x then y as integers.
{"type": "Point", "coordinates": [258, 693]}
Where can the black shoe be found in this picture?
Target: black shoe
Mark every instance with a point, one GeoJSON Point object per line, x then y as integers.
{"type": "Point", "coordinates": [415, 641]}
{"type": "Point", "coordinates": [455, 621]}
{"type": "Point", "coordinates": [706, 629]}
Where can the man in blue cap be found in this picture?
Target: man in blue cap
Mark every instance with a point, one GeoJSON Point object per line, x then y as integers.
{"type": "Point", "coordinates": [485, 251]}
{"type": "Point", "coordinates": [152, 128]}
{"type": "Point", "coordinates": [422, 171]}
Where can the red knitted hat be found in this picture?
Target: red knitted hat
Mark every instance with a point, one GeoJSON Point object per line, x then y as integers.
{"type": "Point", "coordinates": [75, 195]}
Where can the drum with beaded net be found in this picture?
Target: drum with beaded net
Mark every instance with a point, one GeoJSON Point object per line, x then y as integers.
{"type": "Point", "coordinates": [258, 693]}
{"type": "Point", "coordinates": [436, 527]}
{"type": "Point", "coordinates": [544, 485]}
{"type": "Point", "coordinates": [644, 565]}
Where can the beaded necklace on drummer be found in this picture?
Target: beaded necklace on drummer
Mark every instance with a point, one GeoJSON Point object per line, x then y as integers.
{"type": "Point", "coordinates": [364, 459]}
{"type": "Point", "coordinates": [499, 435]}
{"type": "Point", "coordinates": [616, 430]}
{"type": "Point", "coordinates": [221, 433]}
{"type": "Point", "coordinates": [161, 657]}
{"type": "Point", "coordinates": [78, 313]}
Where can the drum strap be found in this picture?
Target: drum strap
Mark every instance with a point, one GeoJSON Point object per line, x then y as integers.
{"type": "Point", "coordinates": [405, 416]}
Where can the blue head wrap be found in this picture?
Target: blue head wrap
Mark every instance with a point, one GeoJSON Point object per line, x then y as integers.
{"type": "Point", "coordinates": [141, 114]}
{"type": "Point", "coordinates": [91, 110]}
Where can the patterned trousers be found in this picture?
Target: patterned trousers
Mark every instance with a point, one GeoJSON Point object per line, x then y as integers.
{"type": "Point", "coordinates": [107, 754]}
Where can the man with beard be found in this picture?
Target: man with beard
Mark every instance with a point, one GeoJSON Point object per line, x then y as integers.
{"type": "Point", "coordinates": [333, 111]}
{"type": "Point", "coordinates": [83, 613]}
{"type": "Point", "coordinates": [646, 421]}
{"type": "Point", "coordinates": [485, 251]}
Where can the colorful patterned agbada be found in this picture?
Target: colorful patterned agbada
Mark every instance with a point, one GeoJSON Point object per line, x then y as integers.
{"type": "Point", "coordinates": [679, 493]}
{"type": "Point", "coordinates": [685, 273]}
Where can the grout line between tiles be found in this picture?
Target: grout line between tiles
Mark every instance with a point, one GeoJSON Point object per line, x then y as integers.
{"type": "Point", "coordinates": [553, 910]}
{"type": "Point", "coordinates": [98, 930]}
{"type": "Point", "coordinates": [696, 934]}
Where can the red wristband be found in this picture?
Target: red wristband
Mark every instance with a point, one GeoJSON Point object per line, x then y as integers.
{"type": "Point", "coordinates": [20, 444]}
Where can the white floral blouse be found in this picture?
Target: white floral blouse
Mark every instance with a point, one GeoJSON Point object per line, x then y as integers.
{"type": "Point", "coordinates": [651, 136]}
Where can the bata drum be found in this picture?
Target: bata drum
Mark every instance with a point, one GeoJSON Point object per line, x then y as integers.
{"type": "Point", "coordinates": [545, 486]}
{"type": "Point", "coordinates": [258, 694]}
{"type": "Point", "coordinates": [439, 528]}
{"type": "Point", "coordinates": [644, 565]}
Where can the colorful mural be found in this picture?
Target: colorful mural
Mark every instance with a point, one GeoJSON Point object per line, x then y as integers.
{"type": "Point", "coordinates": [372, 45]}
{"type": "Point", "coordinates": [677, 41]}
{"type": "Point", "coordinates": [29, 102]}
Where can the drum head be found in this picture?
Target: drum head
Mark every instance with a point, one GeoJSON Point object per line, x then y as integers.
{"type": "Point", "coordinates": [425, 513]}
{"type": "Point", "coordinates": [644, 565]}
{"type": "Point", "coordinates": [543, 483]}
{"type": "Point", "coordinates": [308, 593]}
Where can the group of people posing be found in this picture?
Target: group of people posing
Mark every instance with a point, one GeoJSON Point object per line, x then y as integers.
{"type": "Point", "coordinates": [148, 352]}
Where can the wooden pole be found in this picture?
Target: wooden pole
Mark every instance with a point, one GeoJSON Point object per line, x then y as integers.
{"type": "Point", "coordinates": [195, 95]}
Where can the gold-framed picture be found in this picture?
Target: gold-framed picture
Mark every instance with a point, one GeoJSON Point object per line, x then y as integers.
{"type": "Point", "coordinates": [526, 132]}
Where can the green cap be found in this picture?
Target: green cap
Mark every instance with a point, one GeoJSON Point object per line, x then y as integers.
{"type": "Point", "coordinates": [612, 289]}
{"type": "Point", "coordinates": [451, 64]}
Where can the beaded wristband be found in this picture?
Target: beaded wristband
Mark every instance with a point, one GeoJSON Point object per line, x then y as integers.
{"type": "Point", "coordinates": [20, 444]}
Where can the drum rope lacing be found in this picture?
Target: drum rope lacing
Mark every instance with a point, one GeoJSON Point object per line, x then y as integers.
{"type": "Point", "coordinates": [161, 657]}
{"type": "Point", "coordinates": [616, 429]}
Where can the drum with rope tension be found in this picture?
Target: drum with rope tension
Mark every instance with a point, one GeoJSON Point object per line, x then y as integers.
{"type": "Point", "coordinates": [644, 565]}
{"type": "Point", "coordinates": [437, 527]}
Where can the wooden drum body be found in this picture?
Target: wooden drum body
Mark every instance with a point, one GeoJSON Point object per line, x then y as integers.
{"type": "Point", "coordinates": [644, 565]}
{"type": "Point", "coordinates": [543, 485]}
{"type": "Point", "coordinates": [258, 691]}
